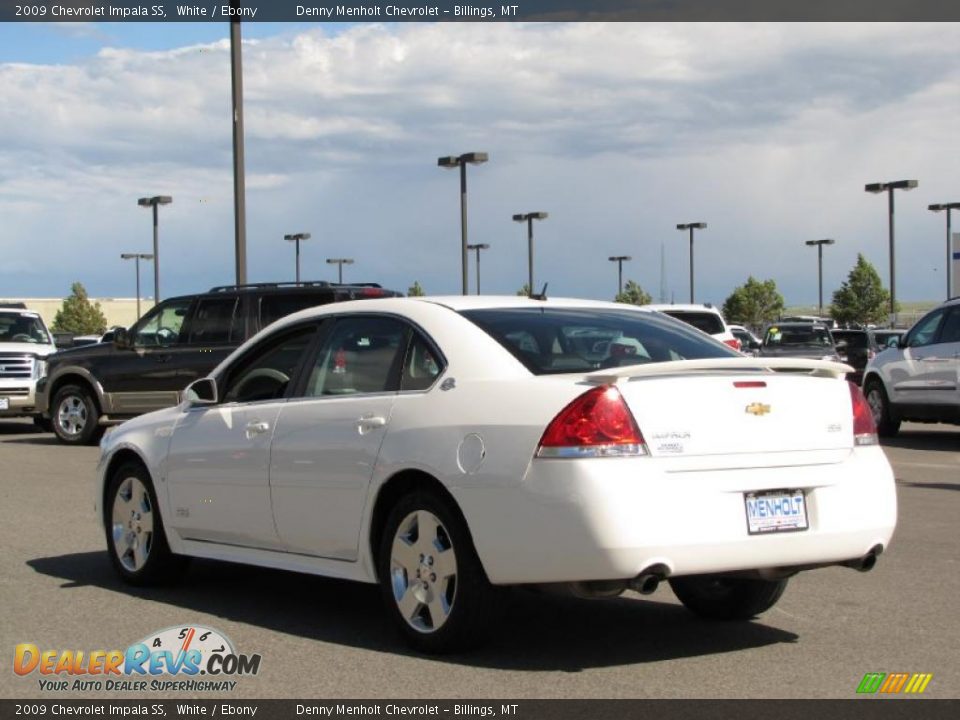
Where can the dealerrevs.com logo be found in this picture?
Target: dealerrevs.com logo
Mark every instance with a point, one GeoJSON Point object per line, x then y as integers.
{"type": "Point", "coordinates": [187, 658]}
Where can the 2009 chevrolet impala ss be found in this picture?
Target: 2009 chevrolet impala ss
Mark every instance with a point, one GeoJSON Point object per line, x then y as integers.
{"type": "Point", "coordinates": [444, 446]}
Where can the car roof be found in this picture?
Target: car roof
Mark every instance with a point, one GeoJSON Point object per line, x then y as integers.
{"type": "Point", "coordinates": [695, 307]}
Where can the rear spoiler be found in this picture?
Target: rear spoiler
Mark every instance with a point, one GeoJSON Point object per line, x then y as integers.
{"type": "Point", "coordinates": [814, 368]}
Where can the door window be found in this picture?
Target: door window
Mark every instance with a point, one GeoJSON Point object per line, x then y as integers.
{"type": "Point", "coordinates": [161, 326]}
{"type": "Point", "coordinates": [274, 307]}
{"type": "Point", "coordinates": [925, 331]}
{"type": "Point", "coordinates": [362, 355]}
{"type": "Point", "coordinates": [950, 332]}
{"type": "Point", "coordinates": [216, 322]}
{"type": "Point", "coordinates": [421, 367]}
{"type": "Point", "coordinates": [266, 372]}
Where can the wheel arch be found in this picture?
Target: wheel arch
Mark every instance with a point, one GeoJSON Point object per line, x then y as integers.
{"type": "Point", "coordinates": [121, 456]}
{"type": "Point", "coordinates": [395, 487]}
{"type": "Point", "coordinates": [75, 376]}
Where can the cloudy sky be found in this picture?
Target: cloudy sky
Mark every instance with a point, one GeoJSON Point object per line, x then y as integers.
{"type": "Point", "coordinates": [766, 132]}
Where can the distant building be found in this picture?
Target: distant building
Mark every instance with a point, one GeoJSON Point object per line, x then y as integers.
{"type": "Point", "coordinates": [118, 311]}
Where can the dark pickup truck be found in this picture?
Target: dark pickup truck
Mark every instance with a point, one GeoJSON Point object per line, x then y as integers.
{"type": "Point", "coordinates": [181, 339]}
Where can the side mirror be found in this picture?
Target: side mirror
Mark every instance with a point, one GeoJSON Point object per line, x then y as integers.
{"type": "Point", "coordinates": [122, 339]}
{"type": "Point", "coordinates": [201, 392]}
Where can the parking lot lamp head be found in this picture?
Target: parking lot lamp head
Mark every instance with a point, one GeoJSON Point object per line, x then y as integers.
{"type": "Point", "coordinates": [947, 207]}
{"type": "Point", "coordinates": [297, 238]}
{"type": "Point", "coordinates": [691, 227]}
{"type": "Point", "coordinates": [137, 257]}
{"type": "Point", "coordinates": [461, 161]}
{"type": "Point", "coordinates": [155, 202]}
{"type": "Point", "coordinates": [528, 218]}
{"type": "Point", "coordinates": [889, 187]}
{"type": "Point", "coordinates": [619, 260]}
{"type": "Point", "coordinates": [340, 262]}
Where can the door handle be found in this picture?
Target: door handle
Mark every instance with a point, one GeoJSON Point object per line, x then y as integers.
{"type": "Point", "coordinates": [257, 428]}
{"type": "Point", "coordinates": [366, 423]}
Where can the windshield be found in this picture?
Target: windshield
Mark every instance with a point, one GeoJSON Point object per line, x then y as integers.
{"type": "Point", "coordinates": [793, 336]}
{"type": "Point", "coordinates": [708, 322]}
{"type": "Point", "coordinates": [553, 340]}
{"type": "Point", "coordinates": [23, 328]}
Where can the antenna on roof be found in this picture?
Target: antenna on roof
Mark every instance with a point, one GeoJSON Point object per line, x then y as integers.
{"type": "Point", "coordinates": [542, 295]}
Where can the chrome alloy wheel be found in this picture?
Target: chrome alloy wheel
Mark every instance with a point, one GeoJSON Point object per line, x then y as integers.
{"type": "Point", "coordinates": [72, 415]}
{"type": "Point", "coordinates": [423, 571]}
{"type": "Point", "coordinates": [132, 523]}
{"type": "Point", "coordinates": [875, 401]}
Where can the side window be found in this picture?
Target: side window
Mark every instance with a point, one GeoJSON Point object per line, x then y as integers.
{"type": "Point", "coordinates": [266, 372]}
{"type": "Point", "coordinates": [421, 366]}
{"type": "Point", "coordinates": [950, 332]}
{"type": "Point", "coordinates": [362, 355]}
{"type": "Point", "coordinates": [274, 307]}
{"type": "Point", "coordinates": [925, 331]}
{"type": "Point", "coordinates": [161, 326]}
{"type": "Point", "coordinates": [215, 321]}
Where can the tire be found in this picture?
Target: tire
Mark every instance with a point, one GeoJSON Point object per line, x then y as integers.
{"type": "Point", "coordinates": [721, 598]}
{"type": "Point", "coordinates": [75, 416]}
{"type": "Point", "coordinates": [887, 424]}
{"type": "Point", "coordinates": [136, 541]}
{"type": "Point", "coordinates": [42, 424]}
{"type": "Point", "coordinates": [436, 612]}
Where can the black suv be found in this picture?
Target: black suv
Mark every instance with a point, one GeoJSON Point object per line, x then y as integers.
{"type": "Point", "coordinates": [183, 338]}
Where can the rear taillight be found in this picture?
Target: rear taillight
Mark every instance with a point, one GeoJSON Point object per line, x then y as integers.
{"type": "Point", "coordinates": [864, 429]}
{"type": "Point", "coordinates": [596, 424]}
{"type": "Point", "coordinates": [734, 343]}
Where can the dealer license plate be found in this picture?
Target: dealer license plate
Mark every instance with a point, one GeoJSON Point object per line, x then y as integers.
{"type": "Point", "coordinates": [4, 403]}
{"type": "Point", "coordinates": [777, 511]}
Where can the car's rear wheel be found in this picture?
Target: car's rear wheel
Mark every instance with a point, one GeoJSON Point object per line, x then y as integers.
{"type": "Point", "coordinates": [135, 537]}
{"type": "Point", "coordinates": [722, 598]}
{"type": "Point", "coordinates": [879, 403]}
{"type": "Point", "coordinates": [75, 416]}
{"type": "Point", "coordinates": [431, 579]}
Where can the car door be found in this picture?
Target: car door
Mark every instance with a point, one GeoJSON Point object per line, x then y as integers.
{"type": "Point", "coordinates": [941, 360]}
{"type": "Point", "coordinates": [219, 458]}
{"type": "Point", "coordinates": [146, 376]}
{"type": "Point", "coordinates": [327, 440]}
{"type": "Point", "coordinates": [916, 377]}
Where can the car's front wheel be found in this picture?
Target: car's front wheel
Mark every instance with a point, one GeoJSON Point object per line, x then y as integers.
{"type": "Point", "coordinates": [135, 537]}
{"type": "Point", "coordinates": [722, 598]}
{"type": "Point", "coordinates": [431, 579]}
{"type": "Point", "coordinates": [879, 404]}
{"type": "Point", "coordinates": [75, 416]}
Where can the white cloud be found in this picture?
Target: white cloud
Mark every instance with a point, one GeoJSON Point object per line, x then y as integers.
{"type": "Point", "coordinates": [767, 132]}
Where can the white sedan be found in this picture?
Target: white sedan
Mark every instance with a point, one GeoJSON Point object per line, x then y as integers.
{"type": "Point", "coordinates": [445, 446]}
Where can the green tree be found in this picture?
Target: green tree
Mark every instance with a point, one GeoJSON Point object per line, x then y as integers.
{"type": "Point", "coordinates": [78, 315]}
{"type": "Point", "coordinates": [862, 298]}
{"type": "Point", "coordinates": [415, 290]}
{"type": "Point", "coordinates": [633, 294]}
{"type": "Point", "coordinates": [754, 303]}
{"type": "Point", "coordinates": [524, 291]}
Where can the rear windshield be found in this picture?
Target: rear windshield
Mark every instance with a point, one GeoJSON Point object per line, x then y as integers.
{"type": "Point", "coordinates": [808, 335]}
{"type": "Point", "coordinates": [708, 322]}
{"type": "Point", "coordinates": [852, 339]}
{"type": "Point", "coordinates": [553, 340]}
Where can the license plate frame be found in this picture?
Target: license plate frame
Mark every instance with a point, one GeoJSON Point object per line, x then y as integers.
{"type": "Point", "coordinates": [765, 520]}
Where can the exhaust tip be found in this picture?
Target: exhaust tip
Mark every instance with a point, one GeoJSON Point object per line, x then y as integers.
{"type": "Point", "coordinates": [649, 579]}
{"type": "Point", "coordinates": [867, 562]}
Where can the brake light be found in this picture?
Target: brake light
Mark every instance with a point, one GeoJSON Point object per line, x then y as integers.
{"type": "Point", "coordinates": [372, 292]}
{"type": "Point", "coordinates": [596, 424]}
{"type": "Point", "coordinates": [734, 343]}
{"type": "Point", "coordinates": [864, 429]}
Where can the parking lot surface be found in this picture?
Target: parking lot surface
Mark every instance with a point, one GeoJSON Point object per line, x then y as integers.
{"type": "Point", "coordinates": [326, 638]}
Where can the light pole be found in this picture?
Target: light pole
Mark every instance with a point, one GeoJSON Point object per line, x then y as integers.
{"type": "Point", "coordinates": [461, 161]}
{"type": "Point", "coordinates": [137, 257]}
{"type": "Point", "coordinates": [820, 244]}
{"type": "Point", "coordinates": [296, 238]}
{"type": "Point", "coordinates": [478, 247]}
{"type": "Point", "coordinates": [889, 187]}
{"type": "Point", "coordinates": [948, 207]}
{"type": "Point", "coordinates": [154, 202]}
{"type": "Point", "coordinates": [528, 218]}
{"type": "Point", "coordinates": [618, 259]}
{"type": "Point", "coordinates": [691, 227]}
{"type": "Point", "coordinates": [340, 262]}
{"type": "Point", "coordinates": [239, 173]}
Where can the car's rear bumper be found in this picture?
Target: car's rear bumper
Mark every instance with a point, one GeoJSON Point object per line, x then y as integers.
{"type": "Point", "coordinates": [607, 519]}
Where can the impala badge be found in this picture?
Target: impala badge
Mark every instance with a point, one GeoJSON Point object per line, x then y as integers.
{"type": "Point", "coordinates": [758, 409]}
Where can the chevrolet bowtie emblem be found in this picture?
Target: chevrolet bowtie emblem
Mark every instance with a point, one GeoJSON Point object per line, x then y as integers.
{"type": "Point", "coordinates": [758, 409]}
